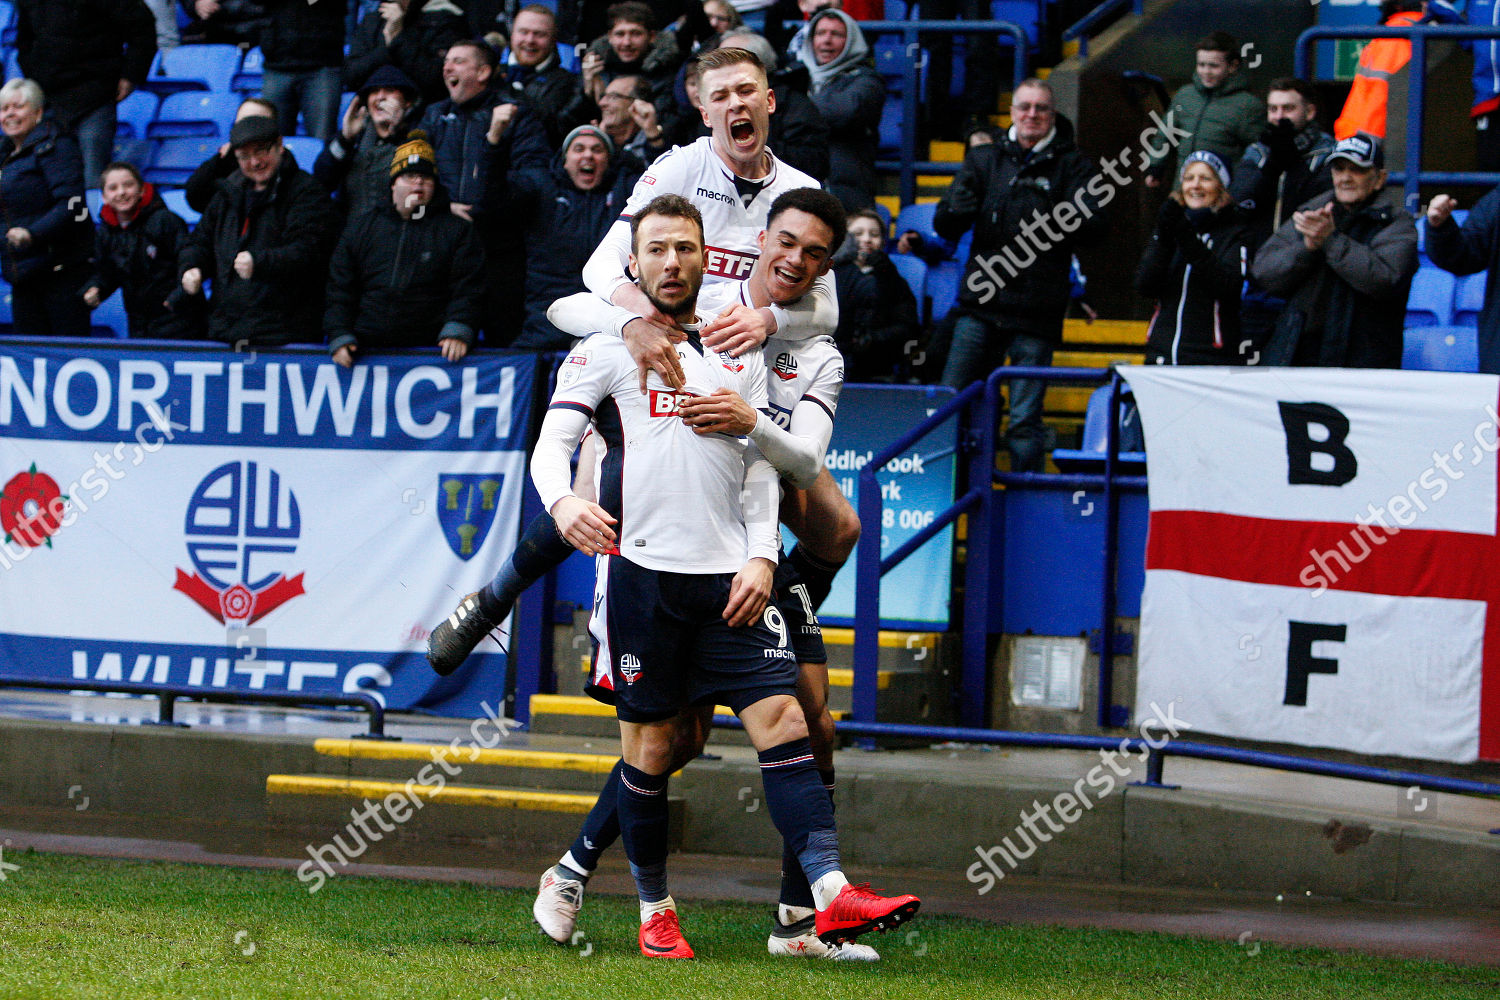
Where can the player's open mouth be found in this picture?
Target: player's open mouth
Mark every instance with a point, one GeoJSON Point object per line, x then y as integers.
{"type": "Point", "coordinates": [785, 276]}
{"type": "Point", "coordinates": [742, 131]}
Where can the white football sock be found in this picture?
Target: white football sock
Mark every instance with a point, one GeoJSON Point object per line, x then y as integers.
{"type": "Point", "coordinates": [789, 915]}
{"type": "Point", "coordinates": [649, 910]}
{"type": "Point", "coordinates": [827, 887]}
{"type": "Point", "coordinates": [568, 861]}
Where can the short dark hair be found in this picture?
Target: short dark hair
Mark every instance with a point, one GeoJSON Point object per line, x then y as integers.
{"type": "Point", "coordinates": [672, 206]}
{"type": "Point", "coordinates": [1302, 88]}
{"type": "Point", "coordinates": [864, 213]}
{"type": "Point", "coordinates": [486, 54]}
{"type": "Point", "coordinates": [129, 168]}
{"type": "Point", "coordinates": [719, 58]}
{"type": "Point", "coordinates": [1219, 41]}
{"type": "Point", "coordinates": [631, 12]}
{"type": "Point", "coordinates": [817, 203]}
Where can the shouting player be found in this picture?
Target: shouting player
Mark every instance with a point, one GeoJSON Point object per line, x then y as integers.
{"type": "Point", "coordinates": [685, 572]}
{"type": "Point", "coordinates": [804, 378]}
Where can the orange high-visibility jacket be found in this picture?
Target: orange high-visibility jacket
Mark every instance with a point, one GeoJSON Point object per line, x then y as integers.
{"type": "Point", "coordinates": [1383, 58]}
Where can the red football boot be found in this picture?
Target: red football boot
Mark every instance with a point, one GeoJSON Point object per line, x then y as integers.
{"type": "Point", "coordinates": [661, 937]}
{"type": "Point", "coordinates": [856, 910]}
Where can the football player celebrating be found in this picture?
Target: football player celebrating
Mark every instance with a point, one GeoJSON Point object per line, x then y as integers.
{"type": "Point", "coordinates": [685, 572]}
{"type": "Point", "coordinates": [803, 381]}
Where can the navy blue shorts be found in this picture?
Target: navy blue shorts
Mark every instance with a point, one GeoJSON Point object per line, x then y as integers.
{"type": "Point", "coordinates": [801, 619]}
{"type": "Point", "coordinates": [666, 646]}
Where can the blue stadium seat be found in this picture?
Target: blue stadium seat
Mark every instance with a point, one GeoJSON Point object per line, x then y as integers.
{"type": "Point", "coordinates": [1469, 301]}
{"type": "Point", "coordinates": [7, 14]}
{"type": "Point", "coordinates": [1441, 349]}
{"type": "Point", "coordinates": [12, 65]}
{"type": "Point", "coordinates": [344, 101]}
{"type": "Point", "coordinates": [195, 113]}
{"type": "Point", "coordinates": [135, 113]}
{"type": "Point", "coordinates": [1095, 443]}
{"type": "Point", "coordinates": [176, 200]}
{"type": "Point", "coordinates": [1431, 300]}
{"type": "Point", "coordinates": [193, 67]}
{"type": "Point", "coordinates": [5, 316]}
{"type": "Point", "coordinates": [965, 247]}
{"type": "Point", "coordinates": [942, 286]}
{"type": "Point", "coordinates": [914, 270]}
{"type": "Point", "coordinates": [305, 148]}
{"type": "Point", "coordinates": [248, 78]}
{"type": "Point", "coordinates": [137, 151]}
{"type": "Point", "coordinates": [176, 159]}
{"type": "Point", "coordinates": [885, 216]}
{"type": "Point", "coordinates": [95, 199]}
{"type": "Point", "coordinates": [919, 218]}
{"type": "Point", "coordinates": [1026, 14]}
{"type": "Point", "coordinates": [111, 316]}
{"type": "Point", "coordinates": [891, 62]}
{"type": "Point", "coordinates": [889, 141]}
{"type": "Point", "coordinates": [567, 58]}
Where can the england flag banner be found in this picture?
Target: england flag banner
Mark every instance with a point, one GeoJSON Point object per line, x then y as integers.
{"type": "Point", "coordinates": [1320, 562]}
{"type": "Point", "coordinates": [255, 522]}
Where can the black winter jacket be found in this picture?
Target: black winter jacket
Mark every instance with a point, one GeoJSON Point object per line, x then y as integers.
{"type": "Point", "coordinates": [1346, 303]}
{"type": "Point", "coordinates": [300, 36]}
{"type": "Point", "coordinates": [236, 22]}
{"type": "Point", "coordinates": [418, 51]}
{"type": "Point", "coordinates": [465, 157]}
{"type": "Point", "coordinates": [360, 176]}
{"type": "Point", "coordinates": [851, 104]}
{"type": "Point", "coordinates": [555, 95]}
{"type": "Point", "coordinates": [1280, 172]}
{"type": "Point", "coordinates": [78, 51]}
{"type": "Point", "coordinates": [397, 282]}
{"type": "Point", "coordinates": [877, 317]}
{"type": "Point", "coordinates": [1195, 267]}
{"type": "Point", "coordinates": [1000, 187]}
{"type": "Point", "coordinates": [289, 236]}
{"type": "Point", "coordinates": [41, 191]}
{"type": "Point", "coordinates": [563, 225]}
{"type": "Point", "coordinates": [1467, 250]}
{"type": "Point", "coordinates": [141, 257]}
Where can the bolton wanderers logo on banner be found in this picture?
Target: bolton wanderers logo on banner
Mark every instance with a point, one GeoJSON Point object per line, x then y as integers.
{"type": "Point", "coordinates": [466, 506]}
{"type": "Point", "coordinates": [242, 528]}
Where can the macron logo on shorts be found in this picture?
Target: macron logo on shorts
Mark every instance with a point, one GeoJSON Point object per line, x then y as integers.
{"type": "Point", "coordinates": [630, 668]}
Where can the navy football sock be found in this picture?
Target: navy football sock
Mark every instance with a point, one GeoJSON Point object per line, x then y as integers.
{"type": "Point", "coordinates": [817, 574]}
{"type": "Point", "coordinates": [643, 826]}
{"type": "Point", "coordinates": [800, 807]}
{"type": "Point", "coordinates": [795, 889]}
{"type": "Point", "coordinates": [540, 550]}
{"type": "Point", "coordinates": [601, 827]}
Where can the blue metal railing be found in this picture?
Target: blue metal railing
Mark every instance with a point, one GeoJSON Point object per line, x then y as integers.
{"type": "Point", "coordinates": [1413, 177]}
{"type": "Point", "coordinates": [1005, 32]}
{"type": "Point", "coordinates": [981, 402]}
{"type": "Point", "coordinates": [1084, 27]}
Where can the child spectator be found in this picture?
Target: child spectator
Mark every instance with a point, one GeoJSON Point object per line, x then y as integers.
{"type": "Point", "coordinates": [877, 310]}
{"type": "Point", "coordinates": [135, 249]}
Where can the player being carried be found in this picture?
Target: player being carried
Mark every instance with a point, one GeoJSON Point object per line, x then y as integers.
{"type": "Point", "coordinates": [687, 548]}
{"type": "Point", "coordinates": [803, 379]}
{"type": "Point", "coordinates": [732, 178]}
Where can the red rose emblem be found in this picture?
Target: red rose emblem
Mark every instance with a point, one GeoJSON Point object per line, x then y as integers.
{"type": "Point", "coordinates": [28, 511]}
{"type": "Point", "coordinates": [237, 602]}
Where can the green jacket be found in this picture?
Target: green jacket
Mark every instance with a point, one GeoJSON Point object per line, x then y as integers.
{"type": "Point", "coordinates": [1223, 120]}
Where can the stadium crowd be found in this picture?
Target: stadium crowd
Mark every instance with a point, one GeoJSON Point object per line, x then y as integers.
{"type": "Point", "coordinates": [480, 162]}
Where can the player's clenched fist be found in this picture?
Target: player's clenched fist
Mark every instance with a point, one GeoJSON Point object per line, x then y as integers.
{"type": "Point", "coordinates": [585, 526]}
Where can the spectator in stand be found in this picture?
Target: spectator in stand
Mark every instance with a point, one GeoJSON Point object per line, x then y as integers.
{"type": "Point", "coordinates": [356, 164]}
{"type": "Point", "coordinates": [1486, 109]}
{"type": "Point", "coordinates": [204, 182]}
{"type": "Point", "coordinates": [224, 22]}
{"type": "Point", "coordinates": [409, 35]}
{"type": "Point", "coordinates": [1194, 267]}
{"type": "Point", "coordinates": [1016, 285]}
{"type": "Point", "coordinates": [1285, 168]}
{"type": "Point", "coordinates": [798, 43]}
{"type": "Point", "coordinates": [566, 211]}
{"type": "Point", "coordinates": [477, 130]}
{"type": "Point", "coordinates": [1217, 109]}
{"type": "Point", "coordinates": [533, 71]}
{"type": "Point", "coordinates": [632, 47]}
{"type": "Point", "coordinates": [1344, 263]}
{"type": "Point", "coordinates": [1382, 74]}
{"type": "Point", "coordinates": [630, 122]}
{"type": "Point", "coordinates": [164, 13]}
{"type": "Point", "coordinates": [877, 310]}
{"type": "Point", "coordinates": [1469, 249]}
{"type": "Point", "coordinates": [722, 17]}
{"type": "Point", "coordinates": [87, 56]}
{"type": "Point", "coordinates": [303, 44]}
{"type": "Point", "coordinates": [264, 241]}
{"type": "Point", "coordinates": [850, 96]}
{"type": "Point", "coordinates": [48, 237]}
{"type": "Point", "coordinates": [409, 273]}
{"type": "Point", "coordinates": [136, 248]}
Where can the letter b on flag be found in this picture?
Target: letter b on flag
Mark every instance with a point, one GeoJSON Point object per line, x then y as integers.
{"type": "Point", "coordinates": [1298, 420]}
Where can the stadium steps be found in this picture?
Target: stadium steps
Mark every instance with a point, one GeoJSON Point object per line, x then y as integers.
{"type": "Point", "coordinates": [513, 768]}
{"type": "Point", "coordinates": [580, 715]}
{"type": "Point", "coordinates": [320, 806]}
